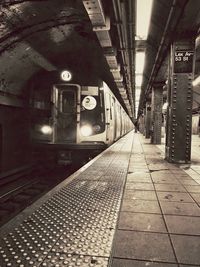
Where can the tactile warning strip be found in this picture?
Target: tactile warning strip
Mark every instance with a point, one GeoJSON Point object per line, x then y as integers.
{"type": "Point", "coordinates": [57, 260]}
{"type": "Point", "coordinates": [75, 227]}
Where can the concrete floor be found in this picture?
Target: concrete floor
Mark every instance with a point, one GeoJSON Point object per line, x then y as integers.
{"type": "Point", "coordinates": [127, 207]}
{"type": "Point", "coordinates": [159, 223]}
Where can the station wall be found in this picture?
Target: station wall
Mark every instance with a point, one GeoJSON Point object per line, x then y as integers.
{"type": "Point", "coordinates": [15, 141]}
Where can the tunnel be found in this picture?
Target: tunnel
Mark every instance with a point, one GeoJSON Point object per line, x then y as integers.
{"type": "Point", "coordinates": [99, 133]}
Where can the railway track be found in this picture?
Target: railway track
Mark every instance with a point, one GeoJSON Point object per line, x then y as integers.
{"type": "Point", "coordinates": [18, 193]}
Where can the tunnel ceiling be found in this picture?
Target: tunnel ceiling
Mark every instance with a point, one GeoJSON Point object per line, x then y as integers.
{"type": "Point", "coordinates": [171, 20]}
{"type": "Point", "coordinates": [95, 37]}
{"type": "Point", "coordinates": [50, 35]}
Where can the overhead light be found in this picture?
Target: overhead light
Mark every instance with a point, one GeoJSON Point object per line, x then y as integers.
{"type": "Point", "coordinates": [144, 8]}
{"type": "Point", "coordinates": [137, 94]}
{"type": "Point", "coordinates": [138, 80]}
{"type": "Point", "coordinates": [165, 105]}
{"type": "Point", "coordinates": [196, 81]}
{"type": "Point", "coordinates": [139, 61]}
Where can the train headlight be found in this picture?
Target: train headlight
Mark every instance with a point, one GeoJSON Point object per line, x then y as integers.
{"type": "Point", "coordinates": [46, 129]}
{"type": "Point", "coordinates": [97, 128]}
{"type": "Point", "coordinates": [86, 130]}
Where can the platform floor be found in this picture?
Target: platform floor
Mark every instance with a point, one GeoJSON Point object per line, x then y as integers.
{"type": "Point", "coordinates": [159, 222]}
{"type": "Point", "coordinates": [128, 207]}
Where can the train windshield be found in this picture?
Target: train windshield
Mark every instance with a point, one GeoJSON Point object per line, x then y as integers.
{"type": "Point", "coordinates": [65, 113]}
{"type": "Point", "coordinates": [92, 110]}
{"type": "Point", "coordinates": [68, 101]}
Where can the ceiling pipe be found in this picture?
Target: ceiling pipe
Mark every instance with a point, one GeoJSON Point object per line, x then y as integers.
{"type": "Point", "coordinates": [124, 43]}
{"type": "Point", "coordinates": [118, 15]}
{"type": "Point", "coordinates": [118, 22]}
{"type": "Point", "coordinates": [171, 14]}
{"type": "Point", "coordinates": [157, 66]}
{"type": "Point", "coordinates": [126, 52]}
{"type": "Point", "coordinates": [129, 47]}
{"type": "Point", "coordinates": [172, 10]}
{"type": "Point", "coordinates": [132, 51]}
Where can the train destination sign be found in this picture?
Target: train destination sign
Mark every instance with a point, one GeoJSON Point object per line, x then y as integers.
{"type": "Point", "coordinates": [66, 75]}
{"type": "Point", "coordinates": [183, 61]}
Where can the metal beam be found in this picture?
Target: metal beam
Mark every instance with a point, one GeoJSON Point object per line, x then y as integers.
{"type": "Point", "coordinates": [11, 101]}
{"type": "Point", "coordinates": [37, 58]}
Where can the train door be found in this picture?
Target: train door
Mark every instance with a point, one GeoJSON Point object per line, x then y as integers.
{"type": "Point", "coordinates": [65, 113]}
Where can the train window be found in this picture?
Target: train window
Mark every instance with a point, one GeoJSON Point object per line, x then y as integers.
{"type": "Point", "coordinates": [101, 99]}
{"type": "Point", "coordinates": [95, 116]}
{"type": "Point", "coordinates": [68, 101]}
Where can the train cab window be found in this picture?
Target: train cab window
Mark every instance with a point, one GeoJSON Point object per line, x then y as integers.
{"type": "Point", "coordinates": [68, 101]}
{"type": "Point", "coordinates": [93, 114]}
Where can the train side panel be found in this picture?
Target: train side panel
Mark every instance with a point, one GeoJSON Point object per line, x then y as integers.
{"type": "Point", "coordinates": [118, 122]}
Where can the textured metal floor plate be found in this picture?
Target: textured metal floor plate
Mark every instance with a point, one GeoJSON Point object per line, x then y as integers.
{"type": "Point", "coordinates": [75, 227]}
{"type": "Point", "coordinates": [70, 260]}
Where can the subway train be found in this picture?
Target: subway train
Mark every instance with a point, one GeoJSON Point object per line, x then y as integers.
{"type": "Point", "coordinates": [74, 117]}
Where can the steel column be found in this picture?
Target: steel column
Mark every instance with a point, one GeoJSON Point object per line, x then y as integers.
{"type": "Point", "coordinates": [147, 121]}
{"type": "Point", "coordinates": [178, 141]}
{"type": "Point", "coordinates": [144, 121]}
{"type": "Point", "coordinates": [141, 124]}
{"type": "Point", "coordinates": [156, 114]}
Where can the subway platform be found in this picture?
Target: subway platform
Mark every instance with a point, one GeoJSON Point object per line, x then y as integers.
{"type": "Point", "coordinates": [127, 207]}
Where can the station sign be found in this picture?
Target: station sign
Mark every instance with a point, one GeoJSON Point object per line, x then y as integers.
{"type": "Point", "coordinates": [183, 61]}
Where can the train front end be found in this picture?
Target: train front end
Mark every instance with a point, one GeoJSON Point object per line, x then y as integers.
{"type": "Point", "coordinates": [74, 125]}
{"type": "Point", "coordinates": [78, 120]}
{"type": "Point", "coordinates": [78, 116]}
